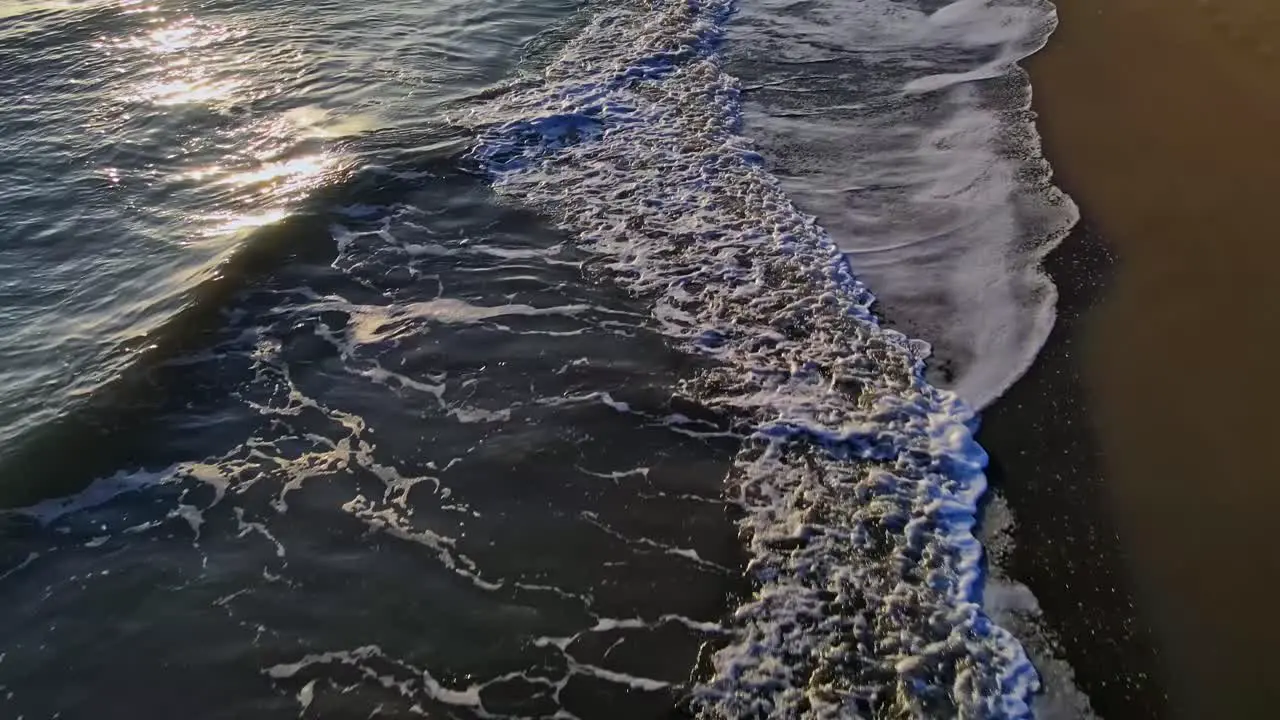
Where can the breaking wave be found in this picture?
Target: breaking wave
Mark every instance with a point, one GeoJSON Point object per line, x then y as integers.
{"type": "Point", "coordinates": [858, 479]}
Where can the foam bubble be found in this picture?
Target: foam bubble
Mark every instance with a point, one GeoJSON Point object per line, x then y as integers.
{"type": "Point", "coordinates": [858, 479]}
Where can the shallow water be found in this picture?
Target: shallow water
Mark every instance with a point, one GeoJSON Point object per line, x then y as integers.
{"type": "Point", "coordinates": [905, 127]}
{"type": "Point", "coordinates": [464, 360]}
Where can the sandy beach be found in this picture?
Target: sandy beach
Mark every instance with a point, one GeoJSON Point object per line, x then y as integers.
{"type": "Point", "coordinates": [1160, 117]}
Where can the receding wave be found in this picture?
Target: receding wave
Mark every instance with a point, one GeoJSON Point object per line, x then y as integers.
{"type": "Point", "coordinates": [906, 126]}
{"type": "Point", "coordinates": [858, 479]}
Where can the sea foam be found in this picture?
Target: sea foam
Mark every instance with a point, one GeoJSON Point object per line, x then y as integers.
{"type": "Point", "coordinates": [858, 479]}
{"type": "Point", "coordinates": [906, 126]}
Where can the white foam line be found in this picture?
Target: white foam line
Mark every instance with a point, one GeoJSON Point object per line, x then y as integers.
{"type": "Point", "coordinates": [585, 599]}
{"type": "Point", "coordinates": [246, 527]}
{"type": "Point", "coordinates": [603, 625]}
{"type": "Point", "coordinates": [31, 557]}
{"type": "Point", "coordinates": [616, 475]}
{"type": "Point", "coordinates": [389, 521]}
{"type": "Point", "coordinates": [687, 497]}
{"type": "Point", "coordinates": [632, 681]}
{"type": "Point", "coordinates": [686, 553]}
{"type": "Point", "coordinates": [418, 683]}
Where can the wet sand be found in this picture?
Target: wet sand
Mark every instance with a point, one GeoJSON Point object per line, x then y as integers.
{"type": "Point", "coordinates": [1047, 466]}
{"type": "Point", "coordinates": [1162, 119]}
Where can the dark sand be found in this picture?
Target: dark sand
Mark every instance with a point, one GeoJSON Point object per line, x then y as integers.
{"type": "Point", "coordinates": [1048, 466]}
{"type": "Point", "coordinates": [1162, 119]}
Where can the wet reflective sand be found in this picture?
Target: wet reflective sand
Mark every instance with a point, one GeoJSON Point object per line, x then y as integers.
{"type": "Point", "coordinates": [1160, 118]}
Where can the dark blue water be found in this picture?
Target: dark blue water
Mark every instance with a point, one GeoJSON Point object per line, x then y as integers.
{"type": "Point", "coordinates": [460, 359]}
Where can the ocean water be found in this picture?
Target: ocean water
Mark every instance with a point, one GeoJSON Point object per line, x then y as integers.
{"type": "Point", "coordinates": [511, 359]}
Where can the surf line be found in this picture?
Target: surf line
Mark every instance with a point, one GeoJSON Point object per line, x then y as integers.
{"type": "Point", "coordinates": [859, 481]}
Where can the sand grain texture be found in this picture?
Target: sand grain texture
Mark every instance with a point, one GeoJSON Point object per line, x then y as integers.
{"type": "Point", "coordinates": [1163, 120]}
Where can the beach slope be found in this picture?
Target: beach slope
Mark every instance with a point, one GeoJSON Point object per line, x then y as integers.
{"type": "Point", "coordinates": [1161, 118]}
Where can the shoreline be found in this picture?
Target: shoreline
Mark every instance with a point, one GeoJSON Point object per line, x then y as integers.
{"type": "Point", "coordinates": [1048, 473]}
{"type": "Point", "coordinates": [1142, 478]}
{"type": "Point", "coordinates": [1065, 544]}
